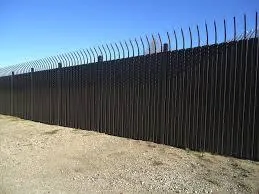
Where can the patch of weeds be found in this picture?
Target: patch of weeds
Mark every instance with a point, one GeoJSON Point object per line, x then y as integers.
{"type": "Point", "coordinates": [199, 155]}
{"type": "Point", "coordinates": [202, 156]}
{"type": "Point", "coordinates": [51, 132]}
{"type": "Point", "coordinates": [120, 153]}
{"type": "Point", "coordinates": [244, 173]}
{"type": "Point", "coordinates": [78, 170]}
{"type": "Point", "coordinates": [193, 166]}
{"type": "Point", "coordinates": [206, 159]}
{"type": "Point", "coordinates": [234, 164]}
{"type": "Point", "coordinates": [187, 150]}
{"type": "Point", "coordinates": [157, 163]}
{"type": "Point", "coordinates": [241, 171]}
{"type": "Point", "coordinates": [151, 145]}
{"type": "Point", "coordinates": [76, 131]}
{"type": "Point", "coordinates": [212, 181]}
{"type": "Point", "coordinates": [162, 149]}
{"type": "Point", "coordinates": [14, 119]}
{"type": "Point", "coordinates": [244, 187]}
{"type": "Point", "coordinates": [29, 144]}
{"type": "Point", "coordinates": [89, 133]}
{"type": "Point", "coordinates": [203, 165]}
{"type": "Point", "coordinates": [238, 167]}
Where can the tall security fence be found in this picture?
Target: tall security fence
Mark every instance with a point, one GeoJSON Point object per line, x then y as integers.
{"type": "Point", "coordinates": [203, 98]}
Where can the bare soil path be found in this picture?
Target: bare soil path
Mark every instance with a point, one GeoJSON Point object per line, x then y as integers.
{"type": "Point", "coordinates": [39, 158]}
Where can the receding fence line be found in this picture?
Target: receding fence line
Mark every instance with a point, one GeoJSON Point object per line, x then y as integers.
{"type": "Point", "coordinates": [203, 98]}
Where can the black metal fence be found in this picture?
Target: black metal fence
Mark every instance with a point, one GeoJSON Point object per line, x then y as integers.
{"type": "Point", "coordinates": [203, 98]}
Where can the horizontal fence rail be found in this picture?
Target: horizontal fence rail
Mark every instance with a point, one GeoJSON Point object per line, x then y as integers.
{"type": "Point", "coordinates": [203, 98]}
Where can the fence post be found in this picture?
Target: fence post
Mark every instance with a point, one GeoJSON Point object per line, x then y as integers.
{"type": "Point", "coordinates": [100, 58]}
{"type": "Point", "coordinates": [59, 92]}
{"type": "Point", "coordinates": [165, 47]}
{"type": "Point", "coordinates": [12, 80]}
{"type": "Point", "coordinates": [32, 92]}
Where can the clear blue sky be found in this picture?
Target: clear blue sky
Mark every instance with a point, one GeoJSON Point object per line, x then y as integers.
{"type": "Point", "coordinates": [33, 29]}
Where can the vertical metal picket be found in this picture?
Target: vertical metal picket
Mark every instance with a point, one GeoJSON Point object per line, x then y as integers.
{"type": "Point", "coordinates": [32, 94]}
{"type": "Point", "coordinates": [12, 94]}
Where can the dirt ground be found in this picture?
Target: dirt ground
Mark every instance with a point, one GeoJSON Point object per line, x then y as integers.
{"type": "Point", "coordinates": [39, 158]}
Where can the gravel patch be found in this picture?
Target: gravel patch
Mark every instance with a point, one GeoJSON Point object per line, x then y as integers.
{"type": "Point", "coordinates": [39, 158]}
